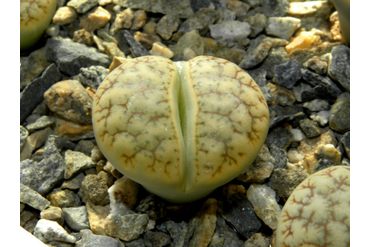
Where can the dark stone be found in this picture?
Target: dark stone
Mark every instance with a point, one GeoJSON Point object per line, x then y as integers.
{"type": "Point", "coordinates": [156, 239]}
{"type": "Point", "coordinates": [274, 8]}
{"type": "Point", "coordinates": [91, 240]}
{"type": "Point", "coordinates": [70, 56]}
{"type": "Point", "coordinates": [225, 236]}
{"type": "Point", "coordinates": [280, 156]}
{"type": "Point", "coordinates": [258, 50]}
{"type": "Point", "coordinates": [339, 119]}
{"type": "Point", "coordinates": [276, 56]}
{"type": "Point", "coordinates": [55, 144]}
{"type": "Point", "coordinates": [310, 128]}
{"type": "Point", "coordinates": [137, 49]}
{"type": "Point", "coordinates": [339, 66]}
{"type": "Point", "coordinates": [287, 74]}
{"type": "Point", "coordinates": [123, 45]}
{"type": "Point", "coordinates": [345, 140]}
{"type": "Point", "coordinates": [284, 181]}
{"type": "Point", "coordinates": [201, 4]}
{"type": "Point", "coordinates": [238, 212]}
{"type": "Point", "coordinates": [151, 206]}
{"type": "Point", "coordinates": [92, 76]}
{"type": "Point", "coordinates": [94, 188]}
{"type": "Point", "coordinates": [200, 20]}
{"type": "Point", "coordinates": [279, 136]}
{"type": "Point", "coordinates": [280, 114]}
{"type": "Point", "coordinates": [177, 232]}
{"type": "Point", "coordinates": [33, 93]}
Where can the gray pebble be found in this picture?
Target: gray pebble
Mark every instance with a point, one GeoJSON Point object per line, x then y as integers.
{"type": "Point", "coordinates": [339, 66]}
{"type": "Point", "coordinates": [92, 76]}
{"type": "Point", "coordinates": [47, 231]}
{"type": "Point", "coordinates": [76, 218]}
{"type": "Point", "coordinates": [89, 239]}
{"type": "Point", "coordinates": [309, 128]}
{"type": "Point", "coordinates": [287, 74]}
{"type": "Point", "coordinates": [339, 119]}
{"type": "Point", "coordinates": [32, 198]}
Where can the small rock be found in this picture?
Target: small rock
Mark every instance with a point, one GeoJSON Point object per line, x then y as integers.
{"type": "Point", "coordinates": [41, 123]}
{"type": "Point", "coordinates": [76, 162]}
{"type": "Point", "coordinates": [95, 19]}
{"type": "Point", "coordinates": [64, 15]}
{"type": "Point", "coordinates": [200, 20]}
{"type": "Point", "coordinates": [302, 55]}
{"type": "Point", "coordinates": [123, 191]}
{"type": "Point", "coordinates": [304, 40]}
{"type": "Point", "coordinates": [287, 74]}
{"type": "Point", "coordinates": [54, 214]}
{"type": "Point", "coordinates": [137, 49]}
{"type": "Point", "coordinates": [322, 117]}
{"type": "Point", "coordinates": [257, 52]}
{"type": "Point", "coordinates": [71, 56]}
{"type": "Point", "coordinates": [257, 23]}
{"type": "Point", "coordinates": [76, 218]}
{"type": "Point", "coordinates": [339, 66]}
{"type": "Point", "coordinates": [282, 27]}
{"type": "Point", "coordinates": [224, 235]}
{"type": "Point", "coordinates": [280, 156]}
{"type": "Point", "coordinates": [97, 215]}
{"type": "Point", "coordinates": [52, 30]}
{"type": "Point", "coordinates": [237, 210]}
{"type": "Point", "coordinates": [257, 240]}
{"type": "Point", "coordinates": [82, 6]}
{"type": "Point", "coordinates": [309, 128]}
{"type": "Point", "coordinates": [315, 64]}
{"type": "Point", "coordinates": [316, 105]}
{"type": "Point", "coordinates": [260, 169]}
{"type": "Point", "coordinates": [83, 37]}
{"type": "Point", "coordinates": [64, 198]}
{"type": "Point", "coordinates": [190, 40]}
{"type": "Point", "coordinates": [345, 140]}
{"type": "Point", "coordinates": [274, 7]}
{"type": "Point", "coordinates": [34, 141]}
{"type": "Point", "coordinates": [294, 156]}
{"type": "Point", "coordinates": [70, 100]}
{"type": "Point", "coordinates": [281, 137]}
{"type": "Point", "coordinates": [276, 56]}
{"type": "Point", "coordinates": [32, 198]}
{"type": "Point", "coordinates": [230, 30]}
{"type": "Point", "coordinates": [151, 206]}
{"type": "Point", "coordinates": [85, 146]}
{"type": "Point", "coordinates": [74, 183]}
{"type": "Point", "coordinates": [297, 135]}
{"type": "Point", "coordinates": [153, 239]}
{"type": "Point", "coordinates": [73, 130]}
{"type": "Point", "coordinates": [105, 2]}
{"type": "Point", "coordinates": [160, 49]}
{"type": "Point", "coordinates": [23, 136]}
{"type": "Point", "coordinates": [284, 181]}
{"type": "Point", "coordinates": [127, 227]}
{"type": "Point", "coordinates": [263, 199]}
{"type": "Point", "coordinates": [88, 239]}
{"type": "Point", "coordinates": [147, 40]}
{"type": "Point", "coordinates": [203, 224]}
{"type": "Point", "coordinates": [123, 20]}
{"type": "Point", "coordinates": [327, 156]}
{"type": "Point", "coordinates": [47, 231]}
{"type": "Point", "coordinates": [92, 76]}
{"type": "Point", "coordinates": [166, 26]}
{"type": "Point", "coordinates": [177, 232]}
{"type": "Point", "coordinates": [150, 26]}
{"type": "Point", "coordinates": [339, 119]}
{"type": "Point", "coordinates": [94, 188]}
{"type": "Point", "coordinates": [238, 7]}
{"type": "Point", "coordinates": [33, 94]}
{"type": "Point", "coordinates": [139, 19]}
{"type": "Point", "coordinates": [300, 89]}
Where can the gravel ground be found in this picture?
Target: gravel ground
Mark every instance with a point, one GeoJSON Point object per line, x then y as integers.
{"type": "Point", "coordinates": [72, 196]}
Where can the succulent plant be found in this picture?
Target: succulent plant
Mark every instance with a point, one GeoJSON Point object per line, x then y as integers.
{"type": "Point", "coordinates": [35, 17]}
{"type": "Point", "coordinates": [317, 213]}
{"type": "Point", "coordinates": [180, 129]}
{"type": "Point", "coordinates": [343, 8]}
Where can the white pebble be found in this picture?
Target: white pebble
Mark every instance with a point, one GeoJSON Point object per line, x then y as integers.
{"type": "Point", "coordinates": [316, 105]}
{"type": "Point", "coordinates": [322, 117]}
{"type": "Point", "coordinates": [230, 30]}
{"type": "Point", "coordinates": [47, 231]}
{"type": "Point", "coordinates": [297, 135]}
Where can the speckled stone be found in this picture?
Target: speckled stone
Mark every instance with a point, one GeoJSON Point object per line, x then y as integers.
{"type": "Point", "coordinates": [83, 37]}
{"type": "Point", "coordinates": [339, 119]}
{"type": "Point", "coordinates": [287, 74]}
{"type": "Point", "coordinates": [257, 22]}
{"type": "Point", "coordinates": [257, 52]}
{"type": "Point", "coordinates": [339, 66]}
{"type": "Point", "coordinates": [127, 227]}
{"type": "Point", "coordinates": [224, 235]}
{"type": "Point", "coordinates": [63, 198]}
{"type": "Point", "coordinates": [281, 137]}
{"type": "Point", "coordinates": [41, 123]}
{"type": "Point", "coordinates": [166, 26]}
{"type": "Point", "coordinates": [152, 206]}
{"type": "Point", "coordinates": [23, 136]}
{"type": "Point", "coordinates": [32, 198]}
{"type": "Point", "coordinates": [76, 217]}
{"type": "Point", "coordinates": [309, 128]}
{"type": "Point", "coordinates": [94, 188]}
{"type": "Point", "coordinates": [317, 65]}
{"type": "Point", "coordinates": [47, 231]}
{"type": "Point", "coordinates": [97, 215]}
{"type": "Point", "coordinates": [54, 214]}
{"type": "Point", "coordinates": [76, 162]}
{"type": "Point", "coordinates": [199, 20]}
{"type": "Point", "coordinates": [190, 40]}
{"type": "Point", "coordinates": [282, 27]}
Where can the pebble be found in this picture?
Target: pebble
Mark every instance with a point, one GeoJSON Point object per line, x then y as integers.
{"type": "Point", "coordinates": [263, 199]}
{"type": "Point", "coordinates": [76, 217]}
{"type": "Point", "coordinates": [82, 6]}
{"type": "Point", "coordinates": [282, 27]}
{"type": "Point", "coordinates": [230, 30]}
{"type": "Point", "coordinates": [95, 19]}
{"type": "Point", "coordinates": [287, 74]}
{"type": "Point", "coordinates": [23, 136]}
{"type": "Point", "coordinates": [339, 119]}
{"type": "Point", "coordinates": [123, 20]}
{"type": "Point", "coordinates": [339, 66]}
{"type": "Point", "coordinates": [70, 100]}
{"type": "Point", "coordinates": [76, 162]}
{"type": "Point", "coordinates": [32, 198]}
{"type": "Point", "coordinates": [309, 128]}
{"type": "Point", "coordinates": [71, 56]}
{"type": "Point", "coordinates": [47, 231]}
{"type": "Point", "coordinates": [126, 227]}
{"type": "Point", "coordinates": [41, 123]}
{"type": "Point", "coordinates": [63, 198]}
{"type": "Point", "coordinates": [309, 98]}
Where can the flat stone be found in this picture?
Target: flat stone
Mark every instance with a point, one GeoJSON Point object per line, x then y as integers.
{"type": "Point", "coordinates": [23, 136]}
{"type": "Point", "coordinates": [257, 23]}
{"type": "Point", "coordinates": [95, 19]}
{"type": "Point", "coordinates": [230, 30]}
{"type": "Point", "coordinates": [64, 15]}
{"type": "Point", "coordinates": [339, 119]}
{"type": "Point", "coordinates": [82, 6]}
{"type": "Point", "coordinates": [282, 27]}
{"type": "Point", "coordinates": [47, 231]}
{"type": "Point", "coordinates": [180, 8]}
{"type": "Point", "coordinates": [70, 100]}
{"type": "Point", "coordinates": [54, 214]}
{"type": "Point", "coordinates": [76, 217]}
{"type": "Point", "coordinates": [71, 56]}
{"type": "Point", "coordinates": [263, 199]}
{"type": "Point", "coordinates": [94, 188]}
{"type": "Point", "coordinates": [127, 227]}
{"type": "Point", "coordinates": [284, 181]}
{"type": "Point", "coordinates": [190, 40]}
{"type": "Point", "coordinates": [88, 239]}
{"type": "Point", "coordinates": [41, 123]}
{"type": "Point", "coordinates": [166, 26]}
{"type": "Point", "coordinates": [64, 198]}
{"type": "Point", "coordinates": [237, 210]}
{"type": "Point", "coordinates": [137, 48]}
{"type": "Point", "coordinates": [84, 146]}
{"type": "Point", "coordinates": [280, 137]}
{"type": "Point", "coordinates": [309, 128]}
{"type": "Point", "coordinates": [280, 114]}
{"type": "Point", "coordinates": [34, 141]}
{"type": "Point", "coordinates": [74, 183]}
{"type": "Point", "coordinates": [339, 66]}
{"type": "Point", "coordinates": [76, 162]}
{"type": "Point", "coordinates": [287, 74]}
{"type": "Point", "coordinates": [32, 198]}
{"type": "Point", "coordinates": [200, 20]}
{"type": "Point", "coordinates": [97, 215]}
{"type": "Point", "coordinates": [33, 93]}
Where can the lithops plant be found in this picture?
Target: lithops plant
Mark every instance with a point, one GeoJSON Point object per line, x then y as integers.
{"type": "Point", "coordinates": [180, 129]}
{"type": "Point", "coordinates": [317, 213]}
{"type": "Point", "coordinates": [35, 16]}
